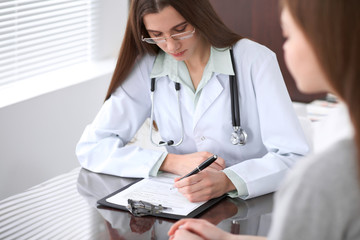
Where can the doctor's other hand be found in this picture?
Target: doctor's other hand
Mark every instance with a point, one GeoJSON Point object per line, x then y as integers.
{"type": "Point", "coordinates": [183, 164]}
{"type": "Point", "coordinates": [205, 185]}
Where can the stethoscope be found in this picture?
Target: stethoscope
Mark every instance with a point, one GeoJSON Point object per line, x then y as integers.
{"type": "Point", "coordinates": [238, 137]}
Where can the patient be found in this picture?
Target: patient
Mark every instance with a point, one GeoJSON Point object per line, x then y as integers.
{"type": "Point", "coordinates": [320, 199]}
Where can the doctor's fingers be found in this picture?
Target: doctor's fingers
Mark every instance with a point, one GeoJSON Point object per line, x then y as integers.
{"type": "Point", "coordinates": [203, 186]}
{"type": "Point", "coordinates": [199, 195]}
{"type": "Point", "coordinates": [219, 164]}
{"type": "Point", "coordinates": [188, 181]}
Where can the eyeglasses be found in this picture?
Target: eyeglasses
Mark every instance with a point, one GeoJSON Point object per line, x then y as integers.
{"type": "Point", "coordinates": [178, 36]}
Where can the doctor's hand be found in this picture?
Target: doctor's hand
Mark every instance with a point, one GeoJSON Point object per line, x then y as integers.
{"type": "Point", "coordinates": [205, 185]}
{"type": "Point", "coordinates": [183, 164]}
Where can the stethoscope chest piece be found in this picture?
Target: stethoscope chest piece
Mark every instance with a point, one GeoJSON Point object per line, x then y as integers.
{"type": "Point", "coordinates": [239, 136]}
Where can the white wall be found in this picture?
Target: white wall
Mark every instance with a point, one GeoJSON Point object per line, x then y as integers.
{"type": "Point", "coordinates": [38, 136]}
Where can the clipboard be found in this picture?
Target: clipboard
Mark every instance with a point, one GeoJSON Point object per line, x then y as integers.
{"type": "Point", "coordinates": [104, 203]}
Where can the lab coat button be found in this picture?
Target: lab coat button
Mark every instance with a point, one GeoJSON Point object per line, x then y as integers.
{"type": "Point", "coordinates": [202, 138]}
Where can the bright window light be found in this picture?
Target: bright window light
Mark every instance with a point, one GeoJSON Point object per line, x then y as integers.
{"type": "Point", "coordinates": [38, 36]}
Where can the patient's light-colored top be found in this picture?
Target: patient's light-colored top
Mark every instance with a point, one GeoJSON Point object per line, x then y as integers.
{"type": "Point", "coordinates": [320, 198]}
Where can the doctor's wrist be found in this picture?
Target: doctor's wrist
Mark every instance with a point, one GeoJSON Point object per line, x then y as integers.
{"type": "Point", "coordinates": [229, 185]}
{"type": "Point", "coordinates": [169, 164]}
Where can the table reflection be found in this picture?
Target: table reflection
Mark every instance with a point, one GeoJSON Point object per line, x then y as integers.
{"type": "Point", "coordinates": [121, 224]}
{"type": "Point", "coordinates": [51, 210]}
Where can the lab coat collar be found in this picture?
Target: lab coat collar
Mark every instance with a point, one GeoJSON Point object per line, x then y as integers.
{"type": "Point", "coordinates": [220, 61]}
{"type": "Point", "coordinates": [218, 66]}
{"type": "Point", "coordinates": [208, 96]}
{"type": "Point", "coordinates": [166, 65]}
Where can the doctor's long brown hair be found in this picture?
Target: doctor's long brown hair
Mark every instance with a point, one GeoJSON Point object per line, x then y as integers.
{"type": "Point", "coordinates": [333, 29]}
{"type": "Point", "coordinates": [199, 13]}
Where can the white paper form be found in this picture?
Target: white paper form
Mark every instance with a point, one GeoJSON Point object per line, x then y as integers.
{"type": "Point", "coordinates": [157, 190]}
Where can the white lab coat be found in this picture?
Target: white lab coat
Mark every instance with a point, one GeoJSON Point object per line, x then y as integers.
{"type": "Point", "coordinates": [275, 137]}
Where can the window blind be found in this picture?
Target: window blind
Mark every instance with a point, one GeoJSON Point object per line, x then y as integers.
{"type": "Point", "coordinates": [44, 35]}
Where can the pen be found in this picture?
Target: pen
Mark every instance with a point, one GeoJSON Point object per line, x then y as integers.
{"type": "Point", "coordinates": [201, 167]}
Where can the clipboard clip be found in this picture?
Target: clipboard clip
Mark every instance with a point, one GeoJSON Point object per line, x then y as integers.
{"type": "Point", "coordinates": [142, 208]}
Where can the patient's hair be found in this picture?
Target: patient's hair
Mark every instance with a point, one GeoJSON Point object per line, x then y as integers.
{"type": "Point", "coordinates": [333, 29]}
{"type": "Point", "coordinates": [199, 14]}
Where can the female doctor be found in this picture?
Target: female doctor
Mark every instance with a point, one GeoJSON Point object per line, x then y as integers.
{"type": "Point", "coordinates": [209, 91]}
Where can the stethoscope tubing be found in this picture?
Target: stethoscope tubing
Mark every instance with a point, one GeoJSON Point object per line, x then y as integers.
{"type": "Point", "coordinates": [169, 142]}
{"type": "Point", "coordinates": [239, 136]}
{"type": "Point", "coordinates": [235, 107]}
